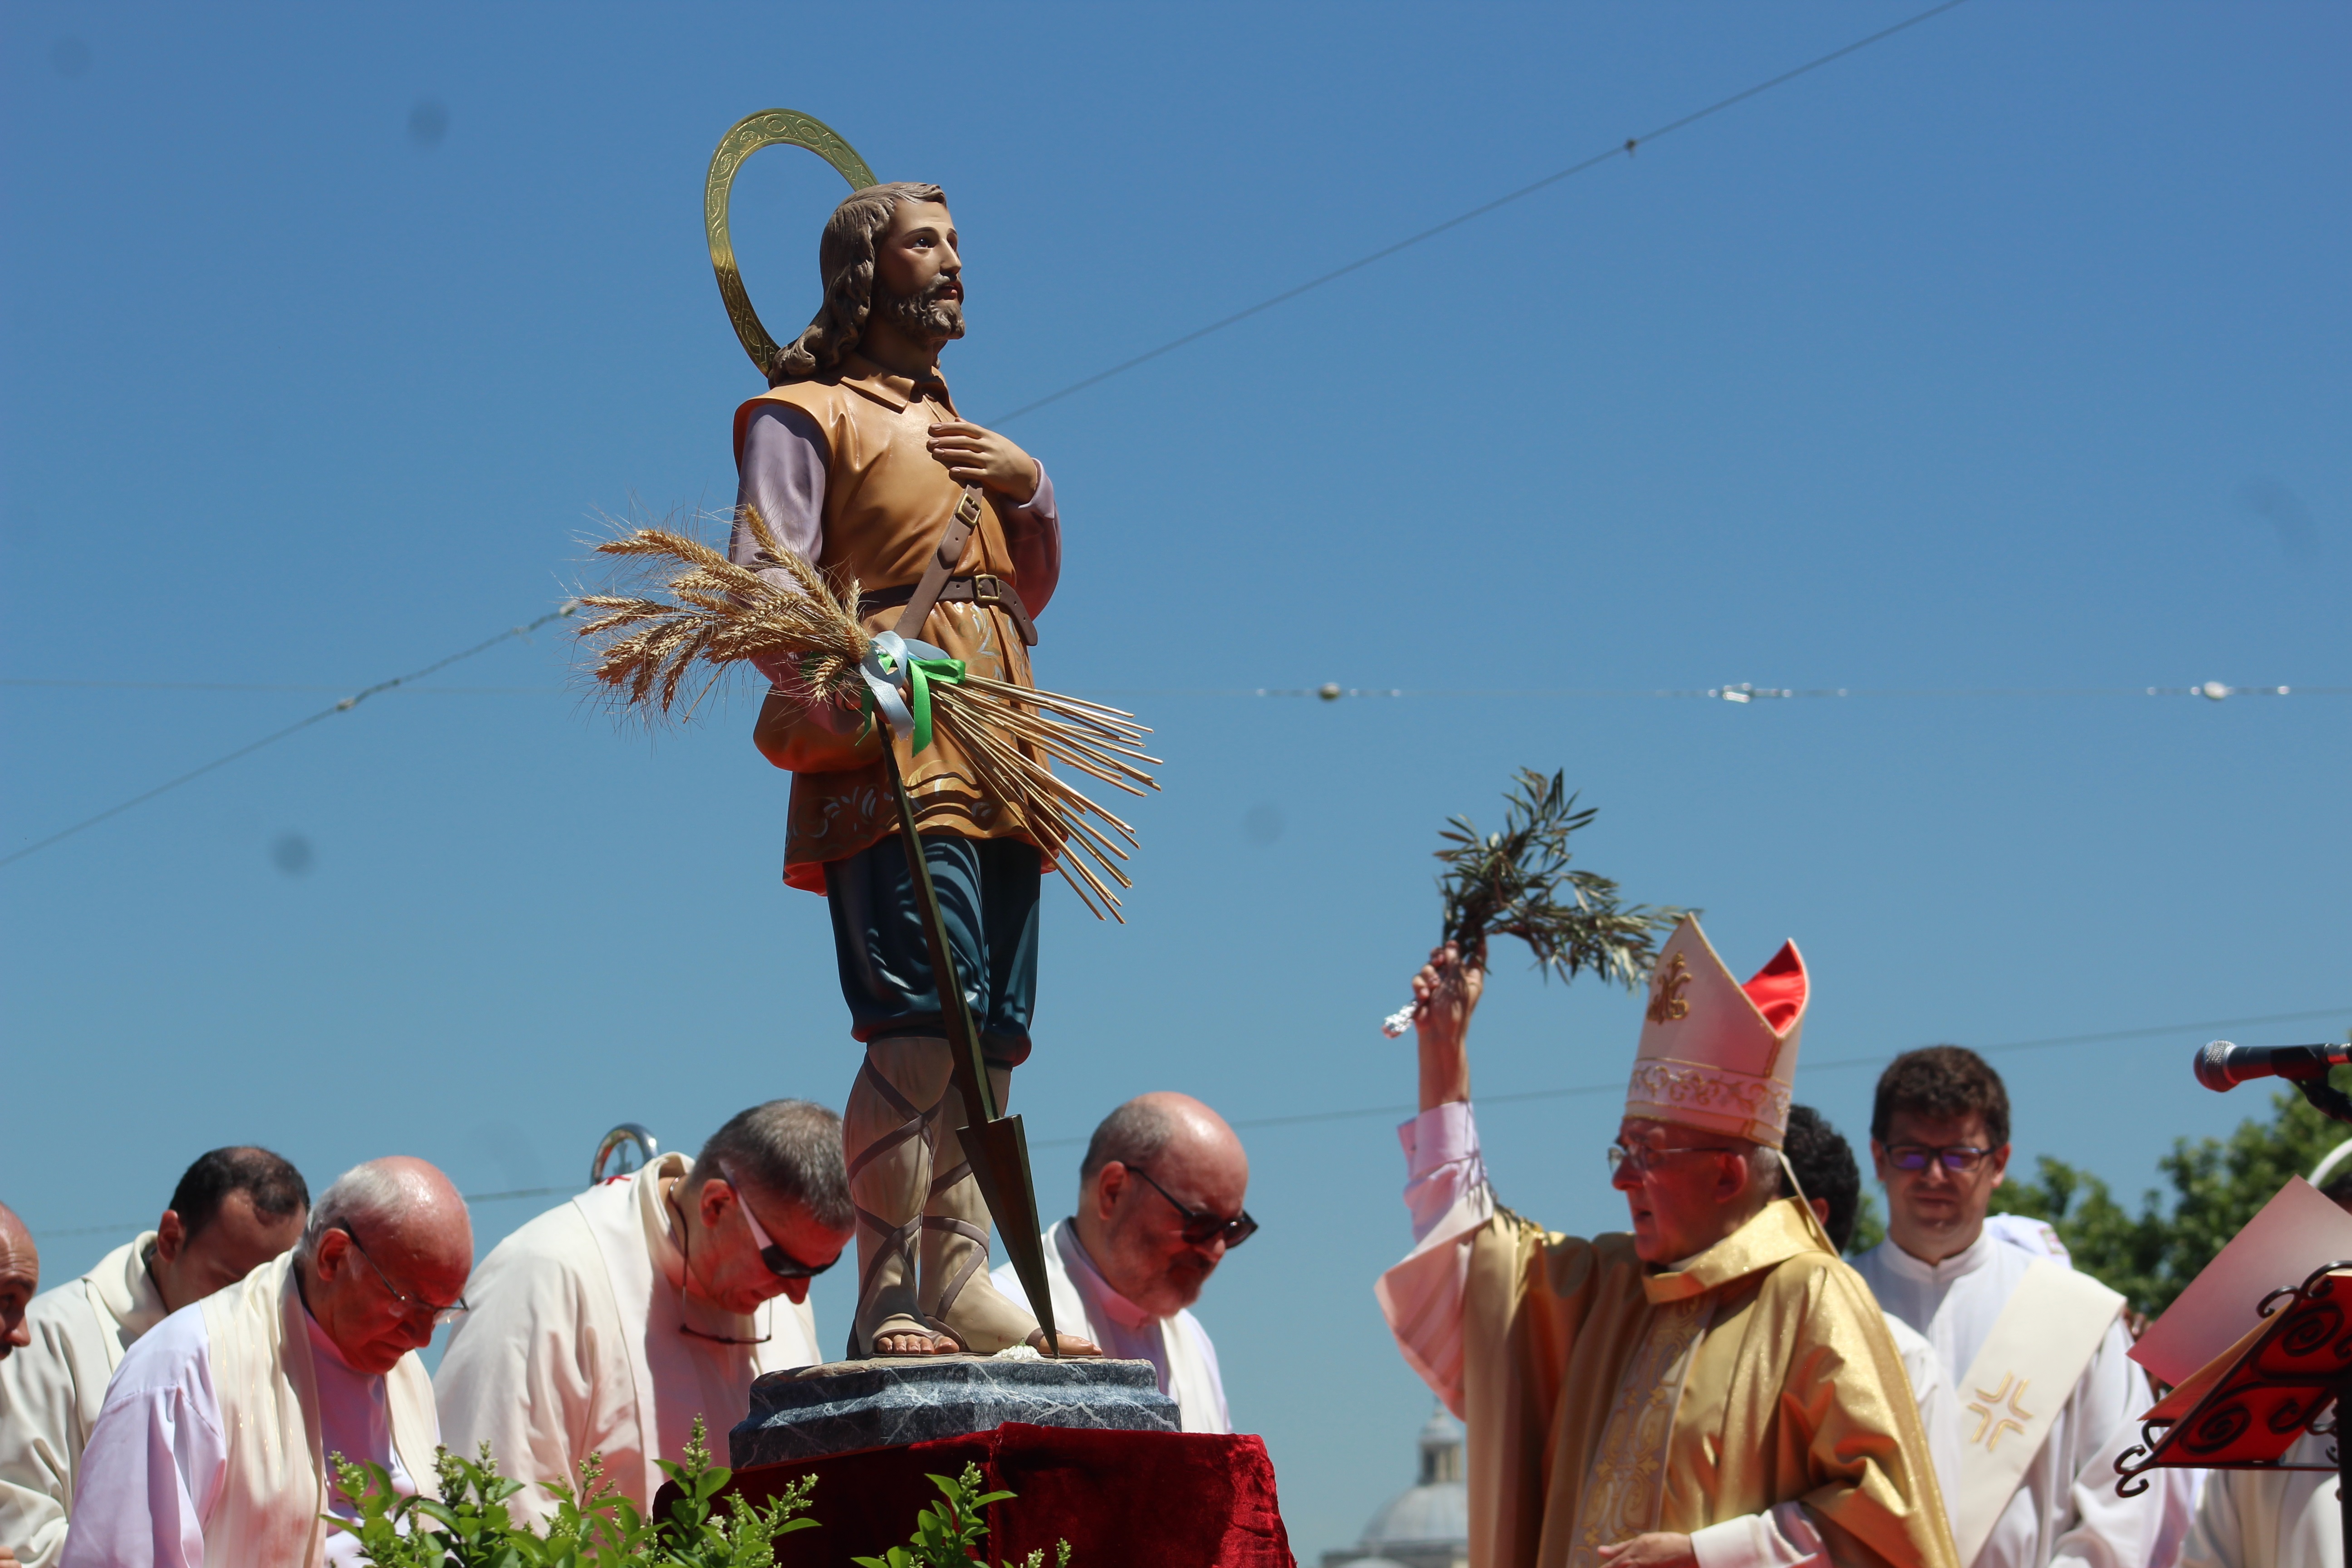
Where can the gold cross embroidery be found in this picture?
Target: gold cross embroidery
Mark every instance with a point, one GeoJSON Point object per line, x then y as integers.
{"type": "Point", "coordinates": [1992, 1420]}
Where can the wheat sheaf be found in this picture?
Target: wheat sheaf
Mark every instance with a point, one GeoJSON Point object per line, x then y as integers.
{"type": "Point", "coordinates": [693, 607]}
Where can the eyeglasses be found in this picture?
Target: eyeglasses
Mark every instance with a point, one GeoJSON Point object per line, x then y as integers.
{"type": "Point", "coordinates": [781, 1264]}
{"type": "Point", "coordinates": [1200, 1229]}
{"type": "Point", "coordinates": [1958, 1157]}
{"type": "Point", "coordinates": [1642, 1158]}
{"type": "Point", "coordinates": [410, 1306]}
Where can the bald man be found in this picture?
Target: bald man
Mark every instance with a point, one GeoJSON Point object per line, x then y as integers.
{"type": "Point", "coordinates": [1160, 1205]}
{"type": "Point", "coordinates": [211, 1447]}
{"type": "Point", "coordinates": [20, 1280]}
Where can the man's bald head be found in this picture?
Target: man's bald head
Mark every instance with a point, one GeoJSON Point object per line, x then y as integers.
{"type": "Point", "coordinates": [1151, 1125]}
{"type": "Point", "coordinates": [388, 1248]}
{"type": "Point", "coordinates": [1158, 1165]}
{"type": "Point", "coordinates": [20, 1280]}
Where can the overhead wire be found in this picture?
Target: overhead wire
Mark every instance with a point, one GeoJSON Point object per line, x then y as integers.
{"type": "Point", "coordinates": [345, 706]}
{"type": "Point", "coordinates": [1617, 1085]}
{"type": "Point", "coordinates": [1299, 1118]}
{"type": "Point", "coordinates": [1624, 150]}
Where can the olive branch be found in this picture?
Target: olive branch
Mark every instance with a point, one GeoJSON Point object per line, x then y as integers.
{"type": "Point", "coordinates": [1520, 882]}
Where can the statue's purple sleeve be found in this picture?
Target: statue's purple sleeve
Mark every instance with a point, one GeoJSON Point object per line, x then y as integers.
{"type": "Point", "coordinates": [783, 474]}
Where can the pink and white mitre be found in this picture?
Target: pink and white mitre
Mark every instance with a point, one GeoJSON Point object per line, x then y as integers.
{"type": "Point", "coordinates": [1718, 1055]}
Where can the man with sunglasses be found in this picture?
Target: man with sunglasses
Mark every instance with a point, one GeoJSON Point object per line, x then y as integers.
{"type": "Point", "coordinates": [212, 1445]}
{"type": "Point", "coordinates": [2036, 1352]}
{"type": "Point", "coordinates": [1160, 1205]}
{"type": "Point", "coordinates": [1714, 1390]}
{"type": "Point", "coordinates": [608, 1323]}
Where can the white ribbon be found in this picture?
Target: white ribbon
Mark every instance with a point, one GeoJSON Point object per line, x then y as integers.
{"type": "Point", "coordinates": [885, 669]}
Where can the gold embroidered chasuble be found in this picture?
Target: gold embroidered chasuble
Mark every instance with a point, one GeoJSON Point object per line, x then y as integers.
{"type": "Point", "coordinates": [887, 501]}
{"type": "Point", "coordinates": [1604, 1400]}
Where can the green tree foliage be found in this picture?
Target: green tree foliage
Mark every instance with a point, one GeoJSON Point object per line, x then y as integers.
{"type": "Point", "coordinates": [1869, 1226]}
{"type": "Point", "coordinates": [469, 1525]}
{"type": "Point", "coordinates": [2217, 1184]}
{"type": "Point", "coordinates": [947, 1533]}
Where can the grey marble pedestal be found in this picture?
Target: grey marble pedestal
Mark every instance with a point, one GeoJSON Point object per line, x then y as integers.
{"type": "Point", "coordinates": [821, 1410]}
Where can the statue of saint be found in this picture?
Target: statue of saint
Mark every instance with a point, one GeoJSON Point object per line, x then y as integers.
{"type": "Point", "coordinates": [857, 461]}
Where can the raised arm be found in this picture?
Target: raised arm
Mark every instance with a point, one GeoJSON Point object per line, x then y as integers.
{"type": "Point", "coordinates": [1446, 993]}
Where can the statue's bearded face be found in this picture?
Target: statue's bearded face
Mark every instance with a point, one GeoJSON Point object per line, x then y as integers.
{"type": "Point", "coordinates": [918, 275]}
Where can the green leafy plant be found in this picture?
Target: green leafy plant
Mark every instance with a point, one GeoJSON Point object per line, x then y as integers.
{"type": "Point", "coordinates": [471, 1526]}
{"type": "Point", "coordinates": [692, 1538]}
{"type": "Point", "coordinates": [947, 1532]}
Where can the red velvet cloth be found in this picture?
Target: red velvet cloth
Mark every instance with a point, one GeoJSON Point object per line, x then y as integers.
{"type": "Point", "coordinates": [1122, 1499]}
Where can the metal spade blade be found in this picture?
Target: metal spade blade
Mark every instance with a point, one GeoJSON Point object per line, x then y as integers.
{"type": "Point", "coordinates": [998, 1149]}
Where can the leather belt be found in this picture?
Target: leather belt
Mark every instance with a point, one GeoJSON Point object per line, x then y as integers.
{"type": "Point", "coordinates": [982, 588]}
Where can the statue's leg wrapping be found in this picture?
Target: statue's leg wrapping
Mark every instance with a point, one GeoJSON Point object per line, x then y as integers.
{"type": "Point", "coordinates": [988, 894]}
{"type": "Point", "coordinates": [957, 1290]}
{"type": "Point", "coordinates": [890, 1138]}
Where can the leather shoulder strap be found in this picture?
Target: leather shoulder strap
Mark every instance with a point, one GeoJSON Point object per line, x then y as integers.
{"type": "Point", "coordinates": [942, 563]}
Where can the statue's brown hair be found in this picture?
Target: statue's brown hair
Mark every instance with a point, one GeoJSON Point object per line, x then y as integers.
{"type": "Point", "coordinates": [844, 260]}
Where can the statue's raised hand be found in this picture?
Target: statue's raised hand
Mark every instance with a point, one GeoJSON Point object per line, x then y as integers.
{"type": "Point", "coordinates": [983, 457]}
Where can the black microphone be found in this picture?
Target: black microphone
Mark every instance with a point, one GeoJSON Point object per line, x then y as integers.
{"type": "Point", "coordinates": [2222, 1066]}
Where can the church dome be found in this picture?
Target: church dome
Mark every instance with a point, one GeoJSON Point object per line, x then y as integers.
{"type": "Point", "coordinates": [1436, 1512]}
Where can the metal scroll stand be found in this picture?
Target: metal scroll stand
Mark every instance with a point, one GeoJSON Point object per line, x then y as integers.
{"type": "Point", "coordinates": [2291, 1376]}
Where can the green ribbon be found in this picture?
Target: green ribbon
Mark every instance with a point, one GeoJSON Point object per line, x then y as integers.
{"type": "Point", "coordinates": [921, 673]}
{"type": "Point", "coordinates": [891, 659]}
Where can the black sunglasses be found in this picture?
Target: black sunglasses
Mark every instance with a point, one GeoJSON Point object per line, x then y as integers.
{"type": "Point", "coordinates": [781, 1264]}
{"type": "Point", "coordinates": [1200, 1229]}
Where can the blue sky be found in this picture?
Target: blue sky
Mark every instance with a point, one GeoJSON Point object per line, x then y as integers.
{"type": "Point", "coordinates": [2005, 357]}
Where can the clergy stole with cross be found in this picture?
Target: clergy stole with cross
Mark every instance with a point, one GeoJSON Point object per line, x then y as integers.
{"type": "Point", "coordinates": [2021, 1379]}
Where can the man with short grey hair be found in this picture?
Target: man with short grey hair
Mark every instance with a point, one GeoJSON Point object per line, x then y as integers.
{"type": "Point", "coordinates": [608, 1323]}
{"type": "Point", "coordinates": [1160, 1205]}
{"type": "Point", "coordinates": [213, 1443]}
{"type": "Point", "coordinates": [234, 1209]}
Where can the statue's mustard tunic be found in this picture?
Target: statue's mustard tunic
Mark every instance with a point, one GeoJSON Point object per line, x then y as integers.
{"type": "Point", "coordinates": [1604, 1400]}
{"type": "Point", "coordinates": [887, 501]}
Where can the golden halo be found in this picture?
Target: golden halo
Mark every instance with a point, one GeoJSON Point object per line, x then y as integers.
{"type": "Point", "coordinates": [766, 129]}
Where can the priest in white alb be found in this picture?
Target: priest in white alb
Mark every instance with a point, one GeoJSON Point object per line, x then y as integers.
{"type": "Point", "coordinates": [1160, 1205]}
{"type": "Point", "coordinates": [234, 1210]}
{"type": "Point", "coordinates": [1714, 1390]}
{"type": "Point", "coordinates": [608, 1323]}
{"type": "Point", "coordinates": [2036, 1352]}
{"type": "Point", "coordinates": [212, 1446]}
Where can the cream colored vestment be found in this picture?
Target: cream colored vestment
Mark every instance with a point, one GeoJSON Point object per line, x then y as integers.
{"type": "Point", "coordinates": [577, 1343]}
{"type": "Point", "coordinates": [2270, 1519]}
{"type": "Point", "coordinates": [51, 1390]}
{"type": "Point", "coordinates": [211, 1446]}
{"type": "Point", "coordinates": [1750, 1397]}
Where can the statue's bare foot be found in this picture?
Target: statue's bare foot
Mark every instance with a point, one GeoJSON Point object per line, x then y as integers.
{"type": "Point", "coordinates": [914, 1342]}
{"type": "Point", "coordinates": [1070, 1344]}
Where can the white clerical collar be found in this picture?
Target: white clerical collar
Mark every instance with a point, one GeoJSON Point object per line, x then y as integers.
{"type": "Point", "coordinates": [1118, 1308]}
{"type": "Point", "coordinates": [660, 1217]}
{"type": "Point", "coordinates": [1968, 1260]}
